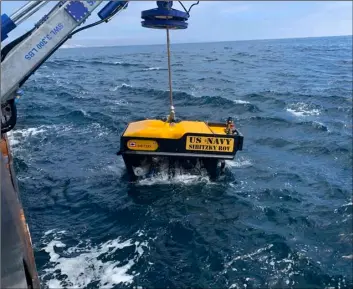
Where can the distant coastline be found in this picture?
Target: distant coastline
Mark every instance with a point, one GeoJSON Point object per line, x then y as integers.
{"type": "Point", "coordinates": [71, 46]}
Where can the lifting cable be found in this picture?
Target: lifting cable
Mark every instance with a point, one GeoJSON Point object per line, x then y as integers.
{"type": "Point", "coordinates": [171, 117]}
{"type": "Point", "coordinates": [169, 72]}
{"type": "Point", "coordinates": [164, 17]}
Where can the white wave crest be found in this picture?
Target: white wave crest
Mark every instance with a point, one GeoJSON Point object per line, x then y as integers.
{"type": "Point", "coordinates": [241, 163]}
{"type": "Point", "coordinates": [32, 131]}
{"type": "Point", "coordinates": [85, 113]}
{"type": "Point", "coordinates": [121, 102]}
{"type": "Point", "coordinates": [120, 86]}
{"type": "Point", "coordinates": [280, 270]}
{"type": "Point", "coordinates": [125, 85]}
{"type": "Point", "coordinates": [302, 109]}
{"type": "Point", "coordinates": [152, 68]}
{"type": "Point", "coordinates": [20, 135]}
{"type": "Point", "coordinates": [79, 266]}
{"type": "Point", "coordinates": [348, 204]}
{"type": "Point", "coordinates": [248, 256]}
{"type": "Point", "coordinates": [239, 101]}
{"type": "Point", "coordinates": [12, 140]}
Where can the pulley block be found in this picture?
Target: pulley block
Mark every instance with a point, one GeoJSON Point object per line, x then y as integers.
{"type": "Point", "coordinates": [164, 17]}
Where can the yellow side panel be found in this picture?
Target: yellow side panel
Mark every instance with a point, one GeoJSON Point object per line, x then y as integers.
{"type": "Point", "coordinates": [218, 130]}
{"type": "Point", "coordinates": [159, 129]}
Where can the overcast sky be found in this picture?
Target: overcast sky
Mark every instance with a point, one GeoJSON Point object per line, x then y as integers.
{"type": "Point", "coordinates": [213, 21]}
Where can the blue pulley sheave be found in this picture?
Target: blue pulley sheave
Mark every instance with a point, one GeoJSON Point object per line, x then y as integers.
{"type": "Point", "coordinates": [163, 18]}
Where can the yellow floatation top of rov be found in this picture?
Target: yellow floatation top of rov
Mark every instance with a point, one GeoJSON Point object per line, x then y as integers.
{"type": "Point", "coordinates": [160, 129]}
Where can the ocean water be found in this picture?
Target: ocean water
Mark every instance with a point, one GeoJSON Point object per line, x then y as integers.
{"type": "Point", "coordinates": [282, 216]}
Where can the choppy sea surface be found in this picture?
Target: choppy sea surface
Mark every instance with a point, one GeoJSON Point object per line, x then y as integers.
{"type": "Point", "coordinates": [282, 216]}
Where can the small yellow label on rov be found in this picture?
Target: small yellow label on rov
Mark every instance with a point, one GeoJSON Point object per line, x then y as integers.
{"type": "Point", "coordinates": [213, 144]}
{"type": "Point", "coordinates": [142, 145]}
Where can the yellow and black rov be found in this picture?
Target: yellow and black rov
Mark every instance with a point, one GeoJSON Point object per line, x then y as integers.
{"type": "Point", "coordinates": [153, 146]}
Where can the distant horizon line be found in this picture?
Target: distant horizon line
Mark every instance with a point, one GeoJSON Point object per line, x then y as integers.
{"type": "Point", "coordinates": [200, 42]}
